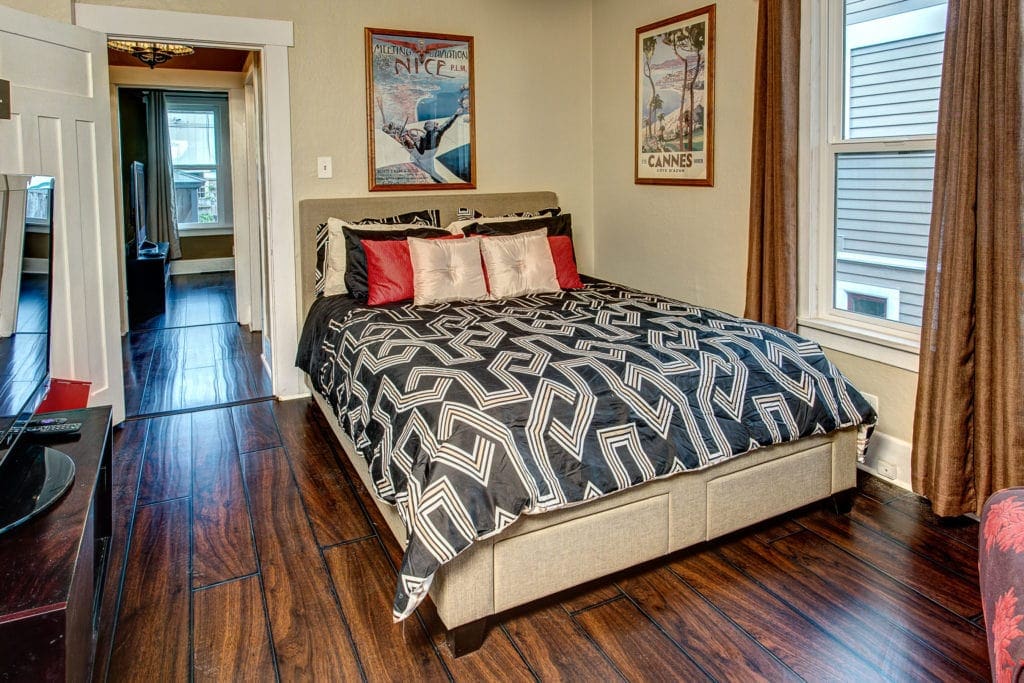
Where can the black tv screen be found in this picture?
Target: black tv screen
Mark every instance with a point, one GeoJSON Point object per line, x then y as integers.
{"type": "Point", "coordinates": [26, 226]}
{"type": "Point", "coordinates": [137, 234]}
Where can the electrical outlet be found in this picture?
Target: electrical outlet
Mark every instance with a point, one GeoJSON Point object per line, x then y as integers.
{"type": "Point", "coordinates": [324, 167]}
{"type": "Point", "coordinates": [886, 469]}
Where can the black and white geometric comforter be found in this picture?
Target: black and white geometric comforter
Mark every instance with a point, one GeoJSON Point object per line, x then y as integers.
{"type": "Point", "coordinates": [471, 414]}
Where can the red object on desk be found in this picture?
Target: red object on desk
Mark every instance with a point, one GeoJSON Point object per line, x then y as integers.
{"type": "Point", "coordinates": [65, 394]}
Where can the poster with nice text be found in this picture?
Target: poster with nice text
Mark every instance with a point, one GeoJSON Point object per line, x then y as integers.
{"type": "Point", "coordinates": [419, 110]}
{"type": "Point", "coordinates": [675, 63]}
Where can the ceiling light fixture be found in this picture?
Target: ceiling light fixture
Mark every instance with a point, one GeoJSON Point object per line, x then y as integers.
{"type": "Point", "coordinates": [150, 53]}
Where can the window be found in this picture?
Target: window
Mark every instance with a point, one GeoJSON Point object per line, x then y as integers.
{"type": "Point", "coordinates": [868, 299]}
{"type": "Point", "coordinates": [201, 156]}
{"type": "Point", "coordinates": [876, 67]}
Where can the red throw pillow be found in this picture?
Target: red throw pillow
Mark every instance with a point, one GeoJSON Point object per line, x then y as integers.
{"type": "Point", "coordinates": [565, 262]}
{"type": "Point", "coordinates": [389, 270]}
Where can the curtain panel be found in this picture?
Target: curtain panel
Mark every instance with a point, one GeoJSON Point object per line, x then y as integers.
{"type": "Point", "coordinates": [160, 211]}
{"type": "Point", "coordinates": [969, 422]}
{"type": "Point", "coordinates": [772, 252]}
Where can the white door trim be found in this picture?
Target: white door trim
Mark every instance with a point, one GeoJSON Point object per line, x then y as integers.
{"type": "Point", "coordinates": [210, 28]}
{"type": "Point", "coordinates": [273, 38]}
{"type": "Point", "coordinates": [241, 220]}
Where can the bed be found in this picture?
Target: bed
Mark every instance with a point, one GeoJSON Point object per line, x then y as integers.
{"type": "Point", "coordinates": [431, 436]}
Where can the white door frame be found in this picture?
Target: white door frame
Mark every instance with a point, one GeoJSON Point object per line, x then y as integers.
{"type": "Point", "coordinates": [272, 38]}
{"type": "Point", "coordinates": [257, 214]}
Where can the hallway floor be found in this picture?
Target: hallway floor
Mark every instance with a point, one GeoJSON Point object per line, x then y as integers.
{"type": "Point", "coordinates": [194, 355]}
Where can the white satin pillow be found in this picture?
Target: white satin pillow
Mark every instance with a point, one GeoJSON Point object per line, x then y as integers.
{"type": "Point", "coordinates": [446, 270]}
{"type": "Point", "coordinates": [334, 267]}
{"type": "Point", "coordinates": [519, 264]}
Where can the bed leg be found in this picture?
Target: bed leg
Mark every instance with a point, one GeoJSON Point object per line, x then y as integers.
{"type": "Point", "coordinates": [843, 501]}
{"type": "Point", "coordinates": [467, 638]}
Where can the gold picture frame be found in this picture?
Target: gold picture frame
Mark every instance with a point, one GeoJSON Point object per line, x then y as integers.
{"type": "Point", "coordinates": [674, 100]}
{"type": "Point", "coordinates": [421, 132]}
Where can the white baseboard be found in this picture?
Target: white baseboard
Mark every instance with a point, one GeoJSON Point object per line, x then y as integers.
{"type": "Point", "coordinates": [293, 397]}
{"type": "Point", "coordinates": [202, 265]}
{"type": "Point", "coordinates": [891, 450]}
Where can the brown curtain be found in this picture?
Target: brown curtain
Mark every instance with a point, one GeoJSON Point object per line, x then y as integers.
{"type": "Point", "coordinates": [772, 254]}
{"type": "Point", "coordinates": [968, 426]}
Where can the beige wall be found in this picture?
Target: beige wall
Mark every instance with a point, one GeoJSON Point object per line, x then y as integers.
{"type": "Point", "coordinates": [685, 242]}
{"type": "Point", "coordinates": [895, 388]}
{"type": "Point", "coordinates": [533, 98]}
{"type": "Point", "coordinates": [207, 246]}
{"type": "Point", "coordinates": [52, 9]}
{"type": "Point", "coordinates": [691, 242]}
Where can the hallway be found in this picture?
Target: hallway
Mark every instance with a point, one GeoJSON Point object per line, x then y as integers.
{"type": "Point", "coordinates": [194, 355]}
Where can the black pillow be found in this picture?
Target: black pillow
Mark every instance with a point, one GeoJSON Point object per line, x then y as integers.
{"type": "Point", "coordinates": [553, 211]}
{"type": "Point", "coordinates": [356, 278]}
{"type": "Point", "coordinates": [428, 217]}
{"type": "Point", "coordinates": [556, 225]}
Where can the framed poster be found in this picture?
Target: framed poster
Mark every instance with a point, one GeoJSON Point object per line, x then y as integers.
{"type": "Point", "coordinates": [675, 97]}
{"type": "Point", "coordinates": [419, 100]}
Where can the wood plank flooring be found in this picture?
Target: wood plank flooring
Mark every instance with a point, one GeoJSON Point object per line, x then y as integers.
{"type": "Point", "coordinates": [195, 355]}
{"type": "Point", "coordinates": [256, 554]}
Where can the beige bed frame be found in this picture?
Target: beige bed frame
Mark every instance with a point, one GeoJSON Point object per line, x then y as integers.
{"type": "Point", "coordinates": [541, 555]}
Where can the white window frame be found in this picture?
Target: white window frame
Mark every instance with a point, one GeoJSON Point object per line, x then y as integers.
{"type": "Point", "coordinates": [204, 102]}
{"type": "Point", "coordinates": [823, 125]}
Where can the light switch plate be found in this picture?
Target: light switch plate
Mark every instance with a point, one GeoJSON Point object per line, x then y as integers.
{"type": "Point", "coordinates": [324, 167]}
{"type": "Point", "coordinates": [5, 99]}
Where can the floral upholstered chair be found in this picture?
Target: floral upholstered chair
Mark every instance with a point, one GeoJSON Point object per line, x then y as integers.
{"type": "Point", "coordinates": [1001, 570]}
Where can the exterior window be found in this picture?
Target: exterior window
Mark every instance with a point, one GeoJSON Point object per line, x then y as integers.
{"type": "Point", "coordinates": [201, 156]}
{"type": "Point", "coordinates": [875, 84]}
{"type": "Point", "coordinates": [865, 299]}
{"type": "Point", "coordinates": [868, 305]}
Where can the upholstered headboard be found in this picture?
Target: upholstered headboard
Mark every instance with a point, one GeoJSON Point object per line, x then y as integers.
{"type": "Point", "coordinates": [312, 212]}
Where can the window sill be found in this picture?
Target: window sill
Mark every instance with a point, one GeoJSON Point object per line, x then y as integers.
{"type": "Point", "coordinates": [204, 231]}
{"type": "Point", "coordinates": [882, 346]}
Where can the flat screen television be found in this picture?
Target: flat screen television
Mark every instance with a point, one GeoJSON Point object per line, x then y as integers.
{"type": "Point", "coordinates": [31, 477]}
{"type": "Point", "coordinates": [137, 233]}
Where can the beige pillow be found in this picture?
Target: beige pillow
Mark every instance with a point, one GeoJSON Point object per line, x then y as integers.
{"type": "Point", "coordinates": [446, 270]}
{"type": "Point", "coordinates": [519, 264]}
{"type": "Point", "coordinates": [334, 268]}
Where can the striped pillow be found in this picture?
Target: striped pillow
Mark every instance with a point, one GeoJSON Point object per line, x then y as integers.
{"type": "Point", "coordinates": [425, 217]}
{"type": "Point", "coordinates": [320, 271]}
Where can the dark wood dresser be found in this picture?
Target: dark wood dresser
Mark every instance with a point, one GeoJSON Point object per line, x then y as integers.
{"type": "Point", "coordinates": [52, 567]}
{"type": "Point", "coordinates": [146, 283]}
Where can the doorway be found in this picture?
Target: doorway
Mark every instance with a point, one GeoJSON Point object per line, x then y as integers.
{"type": "Point", "coordinates": [271, 38]}
{"type": "Point", "coordinates": [187, 155]}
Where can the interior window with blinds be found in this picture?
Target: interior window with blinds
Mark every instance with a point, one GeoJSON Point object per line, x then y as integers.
{"type": "Point", "coordinates": [883, 151]}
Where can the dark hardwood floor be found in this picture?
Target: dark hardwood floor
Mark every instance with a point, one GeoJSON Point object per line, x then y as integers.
{"type": "Point", "coordinates": [194, 355]}
{"type": "Point", "coordinates": [256, 554]}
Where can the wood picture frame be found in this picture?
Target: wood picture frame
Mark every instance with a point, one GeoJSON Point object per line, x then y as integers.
{"type": "Point", "coordinates": [421, 133]}
{"type": "Point", "coordinates": [674, 100]}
